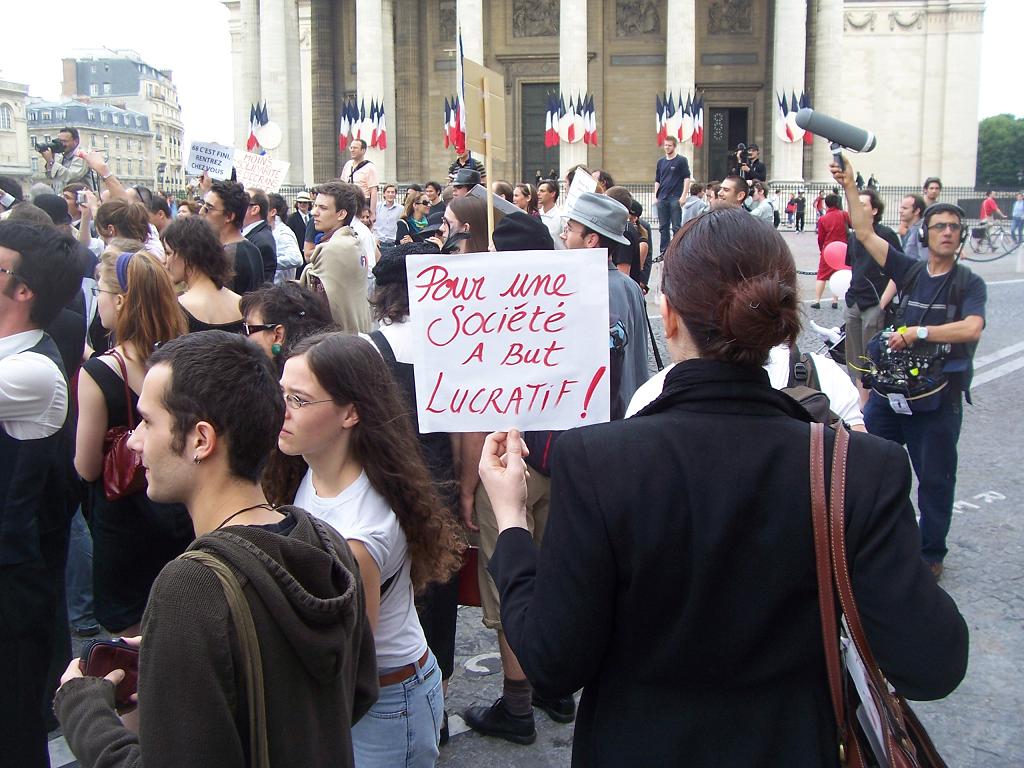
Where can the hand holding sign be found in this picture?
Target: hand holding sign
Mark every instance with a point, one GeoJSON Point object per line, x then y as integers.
{"type": "Point", "coordinates": [503, 473]}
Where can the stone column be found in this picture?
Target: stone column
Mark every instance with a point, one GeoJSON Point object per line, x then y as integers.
{"type": "Point", "coordinates": [251, 85]}
{"type": "Point", "coordinates": [279, 77]}
{"type": "Point", "coordinates": [239, 121]}
{"type": "Point", "coordinates": [681, 56]}
{"type": "Point", "coordinates": [387, 22]}
{"type": "Point", "coordinates": [370, 68]}
{"type": "Point", "coordinates": [786, 160]}
{"type": "Point", "coordinates": [826, 96]}
{"type": "Point", "coordinates": [572, 70]}
{"type": "Point", "coordinates": [324, 82]}
{"type": "Point", "coordinates": [933, 97]}
{"type": "Point", "coordinates": [305, 75]}
{"type": "Point", "coordinates": [470, 15]}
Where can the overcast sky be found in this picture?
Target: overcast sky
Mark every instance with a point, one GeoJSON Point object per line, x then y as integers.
{"type": "Point", "coordinates": [191, 38]}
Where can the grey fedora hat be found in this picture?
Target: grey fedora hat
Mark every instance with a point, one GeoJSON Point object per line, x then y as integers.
{"type": "Point", "coordinates": [602, 214]}
{"type": "Point", "coordinates": [466, 177]}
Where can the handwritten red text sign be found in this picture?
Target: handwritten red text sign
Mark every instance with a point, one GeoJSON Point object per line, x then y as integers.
{"type": "Point", "coordinates": [512, 339]}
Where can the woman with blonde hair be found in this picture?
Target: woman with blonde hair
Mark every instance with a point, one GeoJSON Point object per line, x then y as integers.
{"type": "Point", "coordinates": [133, 538]}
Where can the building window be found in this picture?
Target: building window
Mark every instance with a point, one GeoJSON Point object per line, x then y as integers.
{"type": "Point", "coordinates": [62, 114]}
{"type": "Point", "coordinates": [90, 114]}
{"type": "Point", "coordinates": [35, 164]}
{"type": "Point", "coordinates": [115, 119]}
{"type": "Point", "coordinates": [103, 117]}
{"type": "Point", "coordinates": [6, 117]}
{"type": "Point", "coordinates": [106, 89]}
{"type": "Point", "coordinates": [117, 142]}
{"type": "Point", "coordinates": [129, 162]}
{"type": "Point", "coordinates": [93, 69]}
{"type": "Point", "coordinates": [46, 115]}
{"type": "Point", "coordinates": [119, 168]}
{"type": "Point", "coordinates": [94, 89]}
{"type": "Point", "coordinates": [106, 142]}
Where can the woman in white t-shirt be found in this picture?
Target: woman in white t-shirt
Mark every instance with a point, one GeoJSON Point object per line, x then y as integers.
{"type": "Point", "coordinates": [368, 480]}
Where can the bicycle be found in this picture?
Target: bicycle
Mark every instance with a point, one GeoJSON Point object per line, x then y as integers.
{"type": "Point", "coordinates": [992, 237]}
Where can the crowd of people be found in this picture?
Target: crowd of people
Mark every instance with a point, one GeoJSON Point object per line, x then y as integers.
{"type": "Point", "coordinates": [284, 553]}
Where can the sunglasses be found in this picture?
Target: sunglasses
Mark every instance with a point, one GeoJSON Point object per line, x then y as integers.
{"type": "Point", "coordinates": [251, 328]}
{"type": "Point", "coordinates": [423, 202]}
{"type": "Point", "coordinates": [952, 226]}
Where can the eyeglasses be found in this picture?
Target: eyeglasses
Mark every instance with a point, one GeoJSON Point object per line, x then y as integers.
{"type": "Point", "coordinates": [294, 401]}
{"type": "Point", "coordinates": [96, 291]}
{"type": "Point", "coordinates": [11, 272]}
{"type": "Point", "coordinates": [423, 202]}
{"type": "Point", "coordinates": [952, 226]}
{"type": "Point", "coordinates": [205, 207]}
{"type": "Point", "coordinates": [251, 328]}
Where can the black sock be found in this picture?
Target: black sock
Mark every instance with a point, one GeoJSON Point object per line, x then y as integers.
{"type": "Point", "coordinates": [518, 696]}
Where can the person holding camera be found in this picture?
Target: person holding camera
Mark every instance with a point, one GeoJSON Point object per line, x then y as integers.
{"type": "Point", "coordinates": [64, 163]}
{"type": "Point", "coordinates": [749, 166]}
{"type": "Point", "coordinates": [941, 303]}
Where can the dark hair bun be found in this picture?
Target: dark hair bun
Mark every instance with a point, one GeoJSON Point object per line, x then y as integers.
{"type": "Point", "coordinates": [757, 314]}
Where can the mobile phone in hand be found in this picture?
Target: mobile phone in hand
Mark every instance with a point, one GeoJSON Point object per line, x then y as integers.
{"type": "Point", "coordinates": [101, 657]}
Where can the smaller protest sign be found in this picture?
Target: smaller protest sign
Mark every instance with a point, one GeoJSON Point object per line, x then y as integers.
{"type": "Point", "coordinates": [581, 182]}
{"type": "Point", "coordinates": [216, 160]}
{"type": "Point", "coordinates": [259, 171]}
{"type": "Point", "coordinates": [512, 339]}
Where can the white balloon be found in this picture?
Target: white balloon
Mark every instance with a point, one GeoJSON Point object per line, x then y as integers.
{"type": "Point", "coordinates": [839, 283]}
{"type": "Point", "coordinates": [686, 128]}
{"type": "Point", "coordinates": [796, 130]}
{"type": "Point", "coordinates": [269, 136]}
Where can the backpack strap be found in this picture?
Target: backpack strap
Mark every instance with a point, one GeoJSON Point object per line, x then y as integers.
{"type": "Point", "coordinates": [249, 643]}
{"type": "Point", "coordinates": [802, 372]}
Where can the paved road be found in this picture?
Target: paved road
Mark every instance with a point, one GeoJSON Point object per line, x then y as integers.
{"type": "Point", "coordinates": [982, 722]}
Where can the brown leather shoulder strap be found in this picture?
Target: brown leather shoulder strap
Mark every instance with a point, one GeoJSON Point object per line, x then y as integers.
{"type": "Point", "coordinates": [823, 565]}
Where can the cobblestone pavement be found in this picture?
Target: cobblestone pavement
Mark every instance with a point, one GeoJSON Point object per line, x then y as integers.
{"type": "Point", "coordinates": [982, 723]}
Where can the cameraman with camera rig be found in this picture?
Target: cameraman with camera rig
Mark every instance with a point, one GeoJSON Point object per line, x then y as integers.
{"type": "Point", "coordinates": [748, 164]}
{"type": "Point", "coordinates": [64, 163]}
{"type": "Point", "coordinates": [922, 366]}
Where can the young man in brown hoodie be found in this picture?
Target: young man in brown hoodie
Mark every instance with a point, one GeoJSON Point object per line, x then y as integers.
{"type": "Point", "coordinates": [211, 412]}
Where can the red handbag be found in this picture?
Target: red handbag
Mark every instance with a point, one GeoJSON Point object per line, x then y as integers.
{"type": "Point", "coordinates": [123, 473]}
{"type": "Point", "coordinates": [469, 578]}
{"type": "Point", "coordinates": [878, 728]}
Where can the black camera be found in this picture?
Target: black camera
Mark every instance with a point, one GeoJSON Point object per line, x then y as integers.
{"type": "Point", "coordinates": [741, 154]}
{"type": "Point", "coordinates": [54, 146]}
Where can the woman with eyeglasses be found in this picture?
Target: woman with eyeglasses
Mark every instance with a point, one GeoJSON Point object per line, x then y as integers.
{"type": "Point", "coordinates": [367, 479]}
{"type": "Point", "coordinates": [133, 538]}
{"type": "Point", "coordinates": [196, 258]}
{"type": "Point", "coordinates": [414, 218]}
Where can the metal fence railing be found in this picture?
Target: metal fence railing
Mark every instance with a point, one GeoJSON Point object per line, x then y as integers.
{"type": "Point", "coordinates": [967, 198]}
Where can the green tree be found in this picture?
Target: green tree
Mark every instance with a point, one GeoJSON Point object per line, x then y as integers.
{"type": "Point", "coordinates": [1000, 152]}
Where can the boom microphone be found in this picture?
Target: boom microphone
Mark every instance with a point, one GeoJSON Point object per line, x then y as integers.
{"type": "Point", "coordinates": [836, 131]}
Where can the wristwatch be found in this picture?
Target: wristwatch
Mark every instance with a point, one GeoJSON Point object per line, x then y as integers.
{"type": "Point", "coordinates": [922, 332]}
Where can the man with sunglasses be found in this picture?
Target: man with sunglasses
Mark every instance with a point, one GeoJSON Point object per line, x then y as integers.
{"type": "Point", "coordinates": [39, 275]}
{"type": "Point", "coordinates": [941, 302]}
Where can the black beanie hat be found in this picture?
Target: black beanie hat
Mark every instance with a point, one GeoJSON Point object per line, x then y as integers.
{"type": "Point", "coordinates": [522, 232]}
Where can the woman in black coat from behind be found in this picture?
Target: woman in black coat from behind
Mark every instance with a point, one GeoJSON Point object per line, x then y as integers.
{"type": "Point", "coordinates": [676, 584]}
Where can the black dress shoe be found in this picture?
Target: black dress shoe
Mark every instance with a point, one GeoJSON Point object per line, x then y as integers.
{"type": "Point", "coordinates": [444, 735]}
{"type": "Point", "coordinates": [496, 720]}
{"type": "Point", "coordinates": [560, 710]}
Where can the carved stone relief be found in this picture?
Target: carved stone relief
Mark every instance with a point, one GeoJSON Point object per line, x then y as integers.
{"type": "Point", "coordinates": [636, 17]}
{"type": "Point", "coordinates": [729, 17]}
{"type": "Point", "coordinates": [859, 23]}
{"type": "Point", "coordinates": [448, 20]}
{"type": "Point", "coordinates": [535, 18]}
{"type": "Point", "coordinates": [916, 21]}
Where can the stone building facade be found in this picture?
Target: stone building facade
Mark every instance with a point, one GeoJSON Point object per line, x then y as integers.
{"type": "Point", "coordinates": [126, 81]}
{"type": "Point", "coordinates": [122, 135]}
{"type": "Point", "coordinates": [907, 69]}
{"type": "Point", "coordinates": [15, 150]}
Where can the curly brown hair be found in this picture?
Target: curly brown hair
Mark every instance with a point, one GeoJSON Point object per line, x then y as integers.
{"type": "Point", "coordinates": [384, 442]}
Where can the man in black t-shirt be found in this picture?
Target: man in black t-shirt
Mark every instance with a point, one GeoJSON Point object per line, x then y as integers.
{"type": "Point", "coordinates": [672, 170]}
{"type": "Point", "coordinates": [943, 303]}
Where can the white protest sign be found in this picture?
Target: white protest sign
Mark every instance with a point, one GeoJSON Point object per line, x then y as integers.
{"type": "Point", "coordinates": [512, 339]}
{"type": "Point", "coordinates": [259, 171]}
{"type": "Point", "coordinates": [213, 159]}
{"type": "Point", "coordinates": [581, 182]}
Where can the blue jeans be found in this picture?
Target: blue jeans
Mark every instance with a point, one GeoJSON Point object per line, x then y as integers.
{"type": "Point", "coordinates": [931, 440]}
{"type": "Point", "coordinates": [1017, 230]}
{"type": "Point", "coordinates": [669, 212]}
{"type": "Point", "coordinates": [78, 577]}
{"type": "Point", "coordinates": [404, 726]}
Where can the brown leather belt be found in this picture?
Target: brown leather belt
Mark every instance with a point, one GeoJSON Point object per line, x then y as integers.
{"type": "Point", "coordinates": [402, 673]}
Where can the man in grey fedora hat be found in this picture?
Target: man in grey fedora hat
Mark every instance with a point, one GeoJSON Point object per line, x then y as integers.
{"type": "Point", "coordinates": [597, 221]}
{"type": "Point", "coordinates": [464, 180]}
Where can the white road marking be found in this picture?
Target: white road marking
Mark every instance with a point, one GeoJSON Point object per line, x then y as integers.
{"type": "Point", "coordinates": [994, 373]}
{"type": "Point", "coordinates": [999, 354]}
{"type": "Point", "coordinates": [474, 665]}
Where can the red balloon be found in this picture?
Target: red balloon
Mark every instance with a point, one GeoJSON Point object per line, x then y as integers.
{"type": "Point", "coordinates": [835, 255]}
